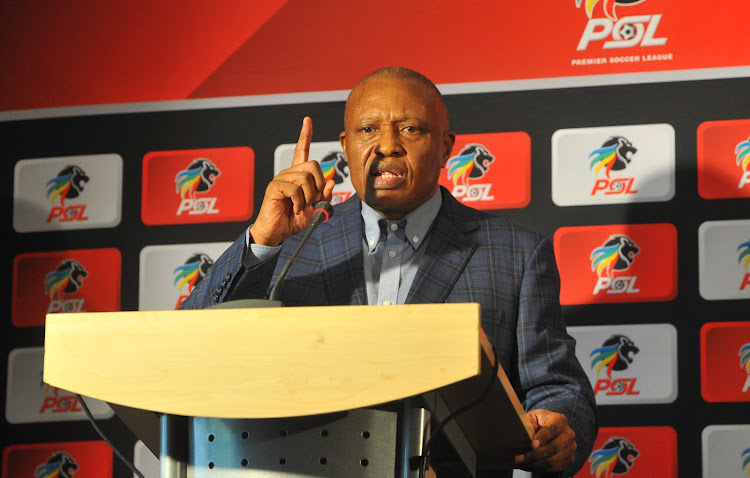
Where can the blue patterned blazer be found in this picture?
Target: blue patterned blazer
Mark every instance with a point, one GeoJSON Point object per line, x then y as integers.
{"type": "Point", "coordinates": [471, 256]}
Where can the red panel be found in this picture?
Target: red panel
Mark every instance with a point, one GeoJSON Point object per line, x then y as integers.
{"type": "Point", "coordinates": [466, 41]}
{"type": "Point", "coordinates": [504, 162]}
{"type": "Point", "coordinates": [725, 362]}
{"type": "Point", "coordinates": [86, 280]}
{"type": "Point", "coordinates": [82, 459]}
{"type": "Point", "coordinates": [92, 52]}
{"type": "Point", "coordinates": [220, 190]}
{"type": "Point", "coordinates": [586, 278]}
{"type": "Point", "coordinates": [96, 52]}
{"type": "Point", "coordinates": [641, 452]}
{"type": "Point", "coordinates": [724, 159]}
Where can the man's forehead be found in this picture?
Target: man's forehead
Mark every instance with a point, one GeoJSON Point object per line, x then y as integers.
{"type": "Point", "coordinates": [387, 82]}
{"type": "Point", "coordinates": [366, 95]}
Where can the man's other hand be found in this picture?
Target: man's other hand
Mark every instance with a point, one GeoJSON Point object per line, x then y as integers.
{"type": "Point", "coordinates": [553, 446]}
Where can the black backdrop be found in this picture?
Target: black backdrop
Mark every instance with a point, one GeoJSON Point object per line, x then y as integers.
{"type": "Point", "coordinates": [540, 113]}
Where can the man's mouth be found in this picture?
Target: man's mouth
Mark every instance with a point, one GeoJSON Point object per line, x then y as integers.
{"type": "Point", "coordinates": [387, 176]}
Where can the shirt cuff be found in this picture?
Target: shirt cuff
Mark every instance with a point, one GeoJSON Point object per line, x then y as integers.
{"type": "Point", "coordinates": [257, 253]}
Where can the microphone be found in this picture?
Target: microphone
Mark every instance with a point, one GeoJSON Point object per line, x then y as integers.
{"type": "Point", "coordinates": [323, 212]}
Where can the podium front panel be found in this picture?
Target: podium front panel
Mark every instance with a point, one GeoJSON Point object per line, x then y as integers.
{"type": "Point", "coordinates": [356, 443]}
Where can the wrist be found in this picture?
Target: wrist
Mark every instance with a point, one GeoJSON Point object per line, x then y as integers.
{"type": "Point", "coordinates": [257, 237]}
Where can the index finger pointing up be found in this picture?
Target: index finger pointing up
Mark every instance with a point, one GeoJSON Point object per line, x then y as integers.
{"type": "Point", "coordinates": [302, 150]}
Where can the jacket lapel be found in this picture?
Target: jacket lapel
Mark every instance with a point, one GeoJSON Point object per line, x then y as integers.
{"type": "Point", "coordinates": [342, 256]}
{"type": "Point", "coordinates": [449, 249]}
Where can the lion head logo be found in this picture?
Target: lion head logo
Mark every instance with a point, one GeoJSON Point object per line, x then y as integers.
{"type": "Point", "coordinates": [335, 166]}
{"type": "Point", "coordinates": [744, 253]}
{"type": "Point", "coordinates": [614, 458]}
{"type": "Point", "coordinates": [66, 279]}
{"type": "Point", "coordinates": [68, 183]}
{"type": "Point", "coordinates": [615, 154]}
{"type": "Point", "coordinates": [471, 163]}
{"type": "Point", "coordinates": [743, 154]}
{"type": "Point", "coordinates": [60, 465]}
{"type": "Point", "coordinates": [616, 353]}
{"type": "Point", "coordinates": [746, 460]}
{"type": "Point", "coordinates": [744, 354]}
{"type": "Point", "coordinates": [608, 6]}
{"type": "Point", "coordinates": [617, 253]}
{"type": "Point", "coordinates": [196, 178]}
{"type": "Point", "coordinates": [193, 271]}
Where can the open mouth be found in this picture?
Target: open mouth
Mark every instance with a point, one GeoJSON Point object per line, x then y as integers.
{"type": "Point", "coordinates": [387, 175]}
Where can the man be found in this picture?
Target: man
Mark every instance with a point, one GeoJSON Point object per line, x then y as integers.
{"type": "Point", "coordinates": [396, 140]}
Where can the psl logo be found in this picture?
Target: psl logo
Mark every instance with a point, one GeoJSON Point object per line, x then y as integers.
{"type": "Point", "coordinates": [744, 259]}
{"type": "Point", "coordinates": [68, 184]}
{"type": "Point", "coordinates": [188, 275]}
{"type": "Point", "coordinates": [60, 465]}
{"type": "Point", "coordinates": [615, 154]}
{"type": "Point", "coordinates": [625, 32]}
{"type": "Point", "coordinates": [617, 254]}
{"type": "Point", "coordinates": [57, 403]}
{"type": "Point", "coordinates": [746, 461]}
{"type": "Point", "coordinates": [335, 166]}
{"type": "Point", "coordinates": [470, 164]}
{"type": "Point", "coordinates": [614, 458]}
{"type": "Point", "coordinates": [744, 354]}
{"type": "Point", "coordinates": [196, 179]}
{"type": "Point", "coordinates": [65, 280]}
{"type": "Point", "coordinates": [743, 160]}
{"type": "Point", "coordinates": [616, 353]}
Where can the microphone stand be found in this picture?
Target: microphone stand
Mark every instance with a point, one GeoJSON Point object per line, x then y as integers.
{"type": "Point", "coordinates": [323, 212]}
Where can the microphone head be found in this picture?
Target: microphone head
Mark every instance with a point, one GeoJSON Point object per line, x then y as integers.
{"type": "Point", "coordinates": [324, 208]}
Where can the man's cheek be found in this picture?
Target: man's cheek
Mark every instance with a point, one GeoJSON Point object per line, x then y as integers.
{"type": "Point", "coordinates": [359, 182]}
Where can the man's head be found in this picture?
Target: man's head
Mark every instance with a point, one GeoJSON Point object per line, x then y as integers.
{"type": "Point", "coordinates": [396, 138]}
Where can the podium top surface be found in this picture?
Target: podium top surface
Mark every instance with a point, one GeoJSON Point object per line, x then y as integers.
{"type": "Point", "coordinates": [263, 362]}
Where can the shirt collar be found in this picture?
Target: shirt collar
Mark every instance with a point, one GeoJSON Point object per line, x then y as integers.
{"type": "Point", "coordinates": [418, 222]}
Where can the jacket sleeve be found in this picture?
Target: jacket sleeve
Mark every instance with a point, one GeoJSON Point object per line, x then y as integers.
{"type": "Point", "coordinates": [228, 279]}
{"type": "Point", "coordinates": [550, 375]}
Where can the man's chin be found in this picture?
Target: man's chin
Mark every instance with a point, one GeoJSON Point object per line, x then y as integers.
{"type": "Point", "coordinates": [389, 203]}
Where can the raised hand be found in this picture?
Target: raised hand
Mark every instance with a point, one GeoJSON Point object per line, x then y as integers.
{"type": "Point", "coordinates": [290, 197]}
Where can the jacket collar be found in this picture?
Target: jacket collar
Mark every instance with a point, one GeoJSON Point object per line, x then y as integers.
{"type": "Point", "coordinates": [449, 249]}
{"type": "Point", "coordinates": [450, 246]}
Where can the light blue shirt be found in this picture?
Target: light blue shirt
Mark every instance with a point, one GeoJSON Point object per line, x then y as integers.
{"type": "Point", "coordinates": [391, 252]}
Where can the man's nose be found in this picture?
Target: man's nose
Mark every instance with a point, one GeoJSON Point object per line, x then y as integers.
{"type": "Point", "coordinates": [389, 142]}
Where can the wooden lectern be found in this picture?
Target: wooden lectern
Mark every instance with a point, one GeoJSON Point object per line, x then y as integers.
{"type": "Point", "coordinates": [258, 391]}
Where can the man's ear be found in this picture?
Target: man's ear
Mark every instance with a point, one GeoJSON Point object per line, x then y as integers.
{"type": "Point", "coordinates": [342, 140]}
{"type": "Point", "coordinates": [449, 140]}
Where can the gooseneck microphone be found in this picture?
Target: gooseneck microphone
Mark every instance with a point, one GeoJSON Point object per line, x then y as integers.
{"type": "Point", "coordinates": [323, 212]}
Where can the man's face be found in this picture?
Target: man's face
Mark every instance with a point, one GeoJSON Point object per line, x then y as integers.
{"type": "Point", "coordinates": [396, 142]}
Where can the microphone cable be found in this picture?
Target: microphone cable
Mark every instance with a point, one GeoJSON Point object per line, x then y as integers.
{"type": "Point", "coordinates": [104, 437]}
{"type": "Point", "coordinates": [426, 449]}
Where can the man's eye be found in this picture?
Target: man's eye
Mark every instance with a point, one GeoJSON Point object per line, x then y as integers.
{"type": "Point", "coordinates": [367, 129]}
{"type": "Point", "coordinates": [411, 129]}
